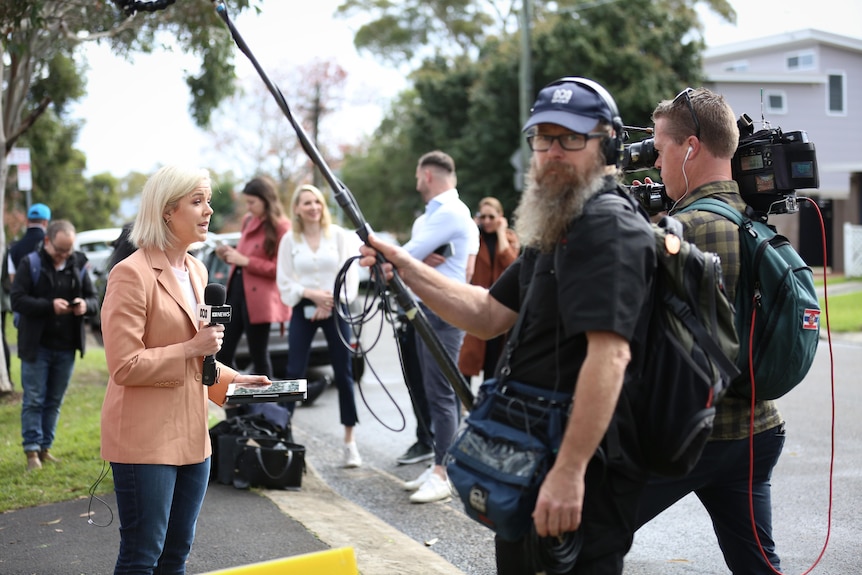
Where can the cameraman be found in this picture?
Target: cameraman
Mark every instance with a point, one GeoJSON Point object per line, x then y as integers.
{"type": "Point", "coordinates": [696, 136]}
{"type": "Point", "coordinates": [582, 321]}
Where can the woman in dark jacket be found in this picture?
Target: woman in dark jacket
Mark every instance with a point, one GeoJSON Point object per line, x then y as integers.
{"type": "Point", "coordinates": [498, 248]}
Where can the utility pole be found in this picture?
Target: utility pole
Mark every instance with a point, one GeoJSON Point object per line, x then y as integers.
{"type": "Point", "coordinates": [526, 86]}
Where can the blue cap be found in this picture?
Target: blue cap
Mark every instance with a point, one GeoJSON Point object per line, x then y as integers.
{"type": "Point", "coordinates": [570, 105]}
{"type": "Point", "coordinates": [39, 212]}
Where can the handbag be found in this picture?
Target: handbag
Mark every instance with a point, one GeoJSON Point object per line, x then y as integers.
{"type": "Point", "coordinates": [270, 463]}
{"type": "Point", "coordinates": [229, 440]}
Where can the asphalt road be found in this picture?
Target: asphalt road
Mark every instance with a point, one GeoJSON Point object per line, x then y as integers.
{"type": "Point", "coordinates": [681, 540]}
{"type": "Point", "coordinates": [367, 509]}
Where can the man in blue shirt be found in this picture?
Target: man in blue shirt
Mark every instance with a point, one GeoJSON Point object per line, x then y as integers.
{"type": "Point", "coordinates": [445, 237]}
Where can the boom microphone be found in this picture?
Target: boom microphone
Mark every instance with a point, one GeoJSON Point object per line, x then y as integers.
{"type": "Point", "coordinates": [213, 311]}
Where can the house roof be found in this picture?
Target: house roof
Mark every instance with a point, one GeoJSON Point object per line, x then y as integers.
{"type": "Point", "coordinates": [788, 40]}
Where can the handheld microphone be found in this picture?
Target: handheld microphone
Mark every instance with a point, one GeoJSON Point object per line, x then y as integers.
{"type": "Point", "coordinates": [213, 311]}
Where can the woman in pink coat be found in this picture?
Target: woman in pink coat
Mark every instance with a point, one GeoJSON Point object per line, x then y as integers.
{"type": "Point", "coordinates": [155, 429]}
{"type": "Point", "coordinates": [252, 292]}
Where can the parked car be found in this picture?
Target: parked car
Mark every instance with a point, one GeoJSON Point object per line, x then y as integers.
{"type": "Point", "coordinates": [97, 245]}
{"type": "Point", "coordinates": [278, 347]}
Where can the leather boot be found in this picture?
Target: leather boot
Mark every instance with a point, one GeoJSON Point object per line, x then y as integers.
{"type": "Point", "coordinates": [33, 461]}
{"type": "Point", "coordinates": [44, 456]}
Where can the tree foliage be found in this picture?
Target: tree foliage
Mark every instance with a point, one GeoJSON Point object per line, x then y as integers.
{"type": "Point", "coordinates": [40, 43]}
{"type": "Point", "coordinates": [642, 51]}
{"type": "Point", "coordinates": [252, 129]}
{"type": "Point", "coordinates": [401, 31]}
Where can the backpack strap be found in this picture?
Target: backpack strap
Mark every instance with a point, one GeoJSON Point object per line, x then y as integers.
{"type": "Point", "coordinates": [717, 207]}
{"type": "Point", "coordinates": [35, 266]}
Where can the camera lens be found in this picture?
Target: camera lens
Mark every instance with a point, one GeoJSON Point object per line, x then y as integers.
{"type": "Point", "coordinates": [639, 156]}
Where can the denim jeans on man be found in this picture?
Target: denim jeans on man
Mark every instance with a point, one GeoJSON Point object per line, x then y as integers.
{"type": "Point", "coordinates": [444, 406]}
{"type": "Point", "coordinates": [158, 508]}
{"type": "Point", "coordinates": [413, 380]}
{"type": "Point", "coordinates": [44, 381]}
{"type": "Point", "coordinates": [720, 481]}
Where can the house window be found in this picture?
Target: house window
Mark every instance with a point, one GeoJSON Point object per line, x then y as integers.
{"type": "Point", "coordinates": [738, 66]}
{"type": "Point", "coordinates": [835, 96]}
{"type": "Point", "coordinates": [775, 102]}
{"type": "Point", "coordinates": [801, 61]}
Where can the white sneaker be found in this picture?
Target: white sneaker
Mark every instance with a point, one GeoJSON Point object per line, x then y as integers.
{"type": "Point", "coordinates": [351, 455]}
{"type": "Point", "coordinates": [434, 489]}
{"type": "Point", "coordinates": [417, 483]}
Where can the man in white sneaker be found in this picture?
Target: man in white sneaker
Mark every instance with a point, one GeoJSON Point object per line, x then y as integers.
{"type": "Point", "coordinates": [445, 237]}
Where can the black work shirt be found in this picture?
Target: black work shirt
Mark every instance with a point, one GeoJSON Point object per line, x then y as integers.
{"type": "Point", "coordinates": [598, 279]}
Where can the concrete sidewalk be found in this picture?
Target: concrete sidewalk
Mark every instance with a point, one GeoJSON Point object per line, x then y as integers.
{"type": "Point", "coordinates": [235, 528]}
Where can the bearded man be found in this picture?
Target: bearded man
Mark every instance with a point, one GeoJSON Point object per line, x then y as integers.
{"type": "Point", "coordinates": [581, 292]}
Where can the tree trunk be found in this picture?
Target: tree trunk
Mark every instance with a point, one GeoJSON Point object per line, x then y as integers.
{"type": "Point", "coordinates": [5, 382]}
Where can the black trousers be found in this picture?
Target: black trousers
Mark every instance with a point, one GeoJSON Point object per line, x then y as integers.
{"type": "Point", "coordinates": [257, 334]}
{"type": "Point", "coordinates": [607, 527]}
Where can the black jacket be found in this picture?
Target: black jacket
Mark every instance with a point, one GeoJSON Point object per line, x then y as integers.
{"type": "Point", "coordinates": [35, 303]}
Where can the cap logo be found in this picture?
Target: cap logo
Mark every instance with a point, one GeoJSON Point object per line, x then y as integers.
{"type": "Point", "coordinates": [561, 96]}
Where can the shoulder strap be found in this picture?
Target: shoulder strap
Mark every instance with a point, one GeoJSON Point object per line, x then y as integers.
{"type": "Point", "coordinates": [82, 267]}
{"type": "Point", "coordinates": [512, 338]}
{"type": "Point", "coordinates": [717, 207]}
{"type": "Point", "coordinates": [35, 266]}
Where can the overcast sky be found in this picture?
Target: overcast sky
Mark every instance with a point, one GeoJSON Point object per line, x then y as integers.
{"type": "Point", "coordinates": [136, 115]}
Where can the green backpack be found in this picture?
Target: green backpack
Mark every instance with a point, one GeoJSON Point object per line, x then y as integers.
{"type": "Point", "coordinates": [776, 295]}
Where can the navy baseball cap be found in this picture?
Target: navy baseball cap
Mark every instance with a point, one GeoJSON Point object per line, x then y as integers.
{"type": "Point", "coordinates": [571, 105]}
{"type": "Point", "coordinates": [39, 212]}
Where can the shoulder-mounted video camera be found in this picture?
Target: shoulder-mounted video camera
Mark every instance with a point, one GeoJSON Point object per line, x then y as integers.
{"type": "Point", "coordinates": [769, 166]}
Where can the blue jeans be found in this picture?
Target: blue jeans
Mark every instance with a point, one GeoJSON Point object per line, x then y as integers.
{"type": "Point", "coordinates": [158, 507]}
{"type": "Point", "coordinates": [45, 381]}
{"type": "Point", "coordinates": [720, 481]}
{"type": "Point", "coordinates": [299, 338]}
{"type": "Point", "coordinates": [444, 406]}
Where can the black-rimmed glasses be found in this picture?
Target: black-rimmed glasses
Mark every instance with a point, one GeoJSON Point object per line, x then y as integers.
{"type": "Point", "coordinates": [571, 142]}
{"type": "Point", "coordinates": [686, 94]}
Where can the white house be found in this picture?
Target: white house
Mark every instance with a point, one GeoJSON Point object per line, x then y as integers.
{"type": "Point", "coordinates": [811, 81]}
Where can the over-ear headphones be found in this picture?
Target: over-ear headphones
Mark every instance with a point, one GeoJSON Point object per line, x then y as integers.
{"type": "Point", "coordinates": [612, 147]}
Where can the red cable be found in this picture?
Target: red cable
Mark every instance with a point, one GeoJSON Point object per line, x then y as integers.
{"type": "Point", "coordinates": [751, 415]}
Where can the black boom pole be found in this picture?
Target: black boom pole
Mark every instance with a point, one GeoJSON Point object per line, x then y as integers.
{"type": "Point", "coordinates": [348, 203]}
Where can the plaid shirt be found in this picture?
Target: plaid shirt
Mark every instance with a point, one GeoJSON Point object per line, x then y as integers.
{"type": "Point", "coordinates": [712, 233]}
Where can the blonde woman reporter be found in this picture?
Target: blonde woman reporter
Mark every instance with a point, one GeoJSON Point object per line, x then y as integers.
{"type": "Point", "coordinates": [154, 417]}
{"type": "Point", "coordinates": [309, 258]}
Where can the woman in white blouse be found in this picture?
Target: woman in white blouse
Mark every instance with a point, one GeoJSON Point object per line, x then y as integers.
{"type": "Point", "coordinates": [309, 258]}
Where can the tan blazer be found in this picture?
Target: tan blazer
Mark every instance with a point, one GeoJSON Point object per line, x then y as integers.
{"type": "Point", "coordinates": [155, 408]}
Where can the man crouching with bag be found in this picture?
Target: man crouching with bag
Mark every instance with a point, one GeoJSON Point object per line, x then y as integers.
{"type": "Point", "coordinates": [580, 296]}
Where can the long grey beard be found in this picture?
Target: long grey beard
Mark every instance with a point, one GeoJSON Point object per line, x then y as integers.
{"type": "Point", "coordinates": [555, 195]}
